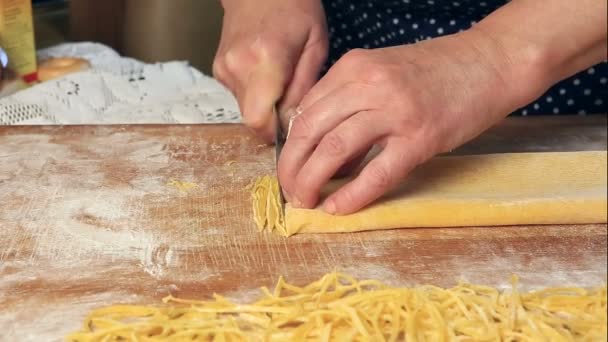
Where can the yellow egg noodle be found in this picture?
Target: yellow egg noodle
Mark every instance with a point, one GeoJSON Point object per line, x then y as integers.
{"type": "Point", "coordinates": [338, 307]}
{"type": "Point", "coordinates": [181, 185]}
{"type": "Point", "coordinates": [268, 212]}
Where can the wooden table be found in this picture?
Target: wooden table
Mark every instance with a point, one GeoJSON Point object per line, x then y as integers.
{"type": "Point", "coordinates": [87, 219]}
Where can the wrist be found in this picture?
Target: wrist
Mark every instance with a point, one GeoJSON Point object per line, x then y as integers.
{"type": "Point", "coordinates": [536, 44]}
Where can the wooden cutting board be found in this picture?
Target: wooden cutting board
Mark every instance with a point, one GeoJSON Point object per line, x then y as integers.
{"type": "Point", "coordinates": [88, 217]}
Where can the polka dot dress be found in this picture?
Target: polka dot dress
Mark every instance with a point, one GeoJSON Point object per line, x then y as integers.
{"type": "Point", "coordinates": [380, 23]}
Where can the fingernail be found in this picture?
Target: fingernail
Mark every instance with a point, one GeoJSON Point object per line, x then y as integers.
{"type": "Point", "coordinates": [330, 207]}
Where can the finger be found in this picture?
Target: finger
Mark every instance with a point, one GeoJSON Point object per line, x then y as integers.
{"type": "Point", "coordinates": [226, 79]}
{"type": "Point", "coordinates": [316, 120]}
{"type": "Point", "coordinates": [223, 75]}
{"type": "Point", "coordinates": [263, 89]}
{"type": "Point", "coordinates": [287, 117]}
{"type": "Point", "coordinates": [240, 61]}
{"type": "Point", "coordinates": [378, 177]}
{"type": "Point", "coordinates": [342, 144]}
{"type": "Point", "coordinates": [305, 76]}
{"type": "Point", "coordinates": [335, 76]}
{"type": "Point", "coordinates": [310, 126]}
{"type": "Point", "coordinates": [236, 68]}
{"type": "Point", "coordinates": [266, 84]}
{"type": "Point", "coordinates": [352, 165]}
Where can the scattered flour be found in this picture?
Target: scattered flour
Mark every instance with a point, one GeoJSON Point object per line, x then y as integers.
{"type": "Point", "coordinates": [33, 318]}
{"type": "Point", "coordinates": [541, 272]}
{"type": "Point", "coordinates": [69, 218]}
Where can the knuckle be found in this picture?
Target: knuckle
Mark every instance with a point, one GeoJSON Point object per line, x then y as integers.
{"type": "Point", "coordinates": [379, 177]}
{"type": "Point", "coordinates": [333, 144]}
{"type": "Point", "coordinates": [412, 126]}
{"type": "Point", "coordinates": [376, 74]}
{"type": "Point", "coordinates": [256, 122]}
{"type": "Point", "coordinates": [302, 126]}
{"type": "Point", "coordinates": [345, 198]}
{"type": "Point", "coordinates": [266, 46]}
{"type": "Point", "coordinates": [232, 58]}
{"type": "Point", "coordinates": [405, 125]}
{"type": "Point", "coordinates": [356, 55]}
{"type": "Point", "coordinates": [360, 87]}
{"type": "Point", "coordinates": [219, 69]}
{"type": "Point", "coordinates": [353, 59]}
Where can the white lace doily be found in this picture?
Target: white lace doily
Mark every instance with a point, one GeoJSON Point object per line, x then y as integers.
{"type": "Point", "coordinates": [118, 90]}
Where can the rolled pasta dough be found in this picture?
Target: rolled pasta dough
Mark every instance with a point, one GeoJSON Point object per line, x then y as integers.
{"type": "Point", "coordinates": [478, 190]}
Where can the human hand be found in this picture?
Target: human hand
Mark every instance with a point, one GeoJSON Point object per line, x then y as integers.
{"type": "Point", "coordinates": [270, 51]}
{"type": "Point", "coordinates": [415, 101]}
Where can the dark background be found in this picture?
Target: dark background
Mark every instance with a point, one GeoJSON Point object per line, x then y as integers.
{"type": "Point", "coordinates": [149, 30]}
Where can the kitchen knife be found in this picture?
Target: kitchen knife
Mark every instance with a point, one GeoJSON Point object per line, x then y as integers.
{"type": "Point", "coordinates": [279, 142]}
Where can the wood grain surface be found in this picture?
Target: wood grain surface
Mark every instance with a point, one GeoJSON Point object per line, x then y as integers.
{"type": "Point", "coordinates": [88, 217]}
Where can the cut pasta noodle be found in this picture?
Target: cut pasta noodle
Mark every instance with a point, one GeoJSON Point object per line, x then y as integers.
{"type": "Point", "coordinates": [181, 185]}
{"type": "Point", "coordinates": [268, 212]}
{"type": "Point", "coordinates": [338, 307]}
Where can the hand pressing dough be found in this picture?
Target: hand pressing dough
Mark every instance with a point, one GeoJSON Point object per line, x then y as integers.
{"type": "Point", "coordinates": [479, 190]}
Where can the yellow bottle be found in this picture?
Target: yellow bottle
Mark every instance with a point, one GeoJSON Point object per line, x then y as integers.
{"type": "Point", "coordinates": [17, 41]}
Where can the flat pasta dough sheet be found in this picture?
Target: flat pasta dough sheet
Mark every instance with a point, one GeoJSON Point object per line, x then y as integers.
{"type": "Point", "coordinates": [479, 190]}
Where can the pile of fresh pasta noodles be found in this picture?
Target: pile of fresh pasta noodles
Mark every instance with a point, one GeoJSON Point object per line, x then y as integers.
{"type": "Point", "coordinates": [338, 307]}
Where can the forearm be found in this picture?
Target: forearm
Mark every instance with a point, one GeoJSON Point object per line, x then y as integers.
{"type": "Point", "coordinates": [538, 43]}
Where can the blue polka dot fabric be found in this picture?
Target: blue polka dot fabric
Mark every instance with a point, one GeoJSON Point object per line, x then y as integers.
{"type": "Point", "coordinates": [381, 23]}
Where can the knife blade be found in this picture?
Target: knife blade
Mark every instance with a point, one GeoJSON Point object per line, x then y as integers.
{"type": "Point", "coordinates": [279, 142]}
{"type": "Point", "coordinates": [279, 136]}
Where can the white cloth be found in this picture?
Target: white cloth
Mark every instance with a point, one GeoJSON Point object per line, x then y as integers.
{"type": "Point", "coordinates": [118, 90]}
